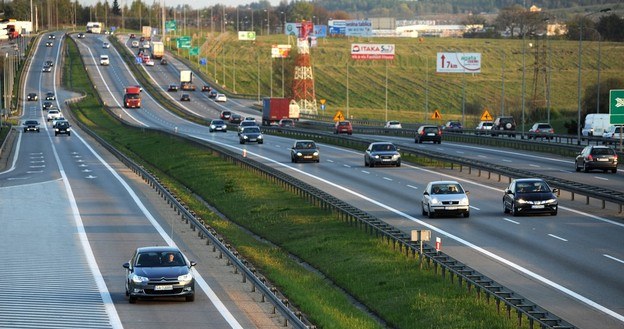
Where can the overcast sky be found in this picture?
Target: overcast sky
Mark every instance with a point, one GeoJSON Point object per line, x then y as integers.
{"type": "Point", "coordinates": [194, 4]}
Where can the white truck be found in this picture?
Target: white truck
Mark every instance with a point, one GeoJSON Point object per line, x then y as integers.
{"type": "Point", "coordinates": [158, 49]}
{"type": "Point", "coordinates": [146, 32]}
{"type": "Point", "coordinates": [595, 124]}
{"type": "Point", "coordinates": [186, 80]}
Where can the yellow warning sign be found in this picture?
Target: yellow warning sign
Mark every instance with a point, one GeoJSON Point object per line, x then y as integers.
{"type": "Point", "coordinates": [436, 115]}
{"type": "Point", "coordinates": [339, 116]}
{"type": "Point", "coordinates": [486, 116]}
{"type": "Point", "coordinates": [322, 101]}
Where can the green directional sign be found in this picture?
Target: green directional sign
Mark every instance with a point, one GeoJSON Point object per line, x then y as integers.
{"type": "Point", "coordinates": [184, 42]}
{"type": "Point", "coordinates": [616, 106]}
{"type": "Point", "coordinates": [170, 26]}
{"type": "Point", "coordinates": [194, 51]}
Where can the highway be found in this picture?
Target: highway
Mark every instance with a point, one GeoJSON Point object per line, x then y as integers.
{"type": "Point", "coordinates": [73, 215]}
{"type": "Point", "coordinates": [568, 264]}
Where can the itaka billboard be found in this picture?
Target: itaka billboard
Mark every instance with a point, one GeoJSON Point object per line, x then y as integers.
{"type": "Point", "coordinates": [372, 51]}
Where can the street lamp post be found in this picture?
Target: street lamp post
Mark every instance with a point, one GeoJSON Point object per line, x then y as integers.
{"type": "Point", "coordinates": [580, 57]}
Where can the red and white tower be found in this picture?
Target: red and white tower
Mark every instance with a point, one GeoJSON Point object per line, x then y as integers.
{"type": "Point", "coordinates": [303, 82]}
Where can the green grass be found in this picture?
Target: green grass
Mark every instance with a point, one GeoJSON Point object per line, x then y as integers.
{"type": "Point", "coordinates": [388, 283]}
{"type": "Point", "coordinates": [413, 83]}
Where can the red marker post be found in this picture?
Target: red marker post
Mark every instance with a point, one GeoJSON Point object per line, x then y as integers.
{"type": "Point", "coordinates": [438, 244]}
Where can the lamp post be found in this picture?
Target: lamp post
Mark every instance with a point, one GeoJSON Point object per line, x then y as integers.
{"type": "Point", "coordinates": [268, 10]}
{"type": "Point", "coordinates": [580, 57]}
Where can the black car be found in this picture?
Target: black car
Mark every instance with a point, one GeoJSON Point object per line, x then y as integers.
{"type": "Point", "coordinates": [206, 88]}
{"type": "Point", "coordinates": [81, 35]}
{"type": "Point", "coordinates": [31, 125]}
{"type": "Point", "coordinates": [529, 195]}
{"type": "Point", "coordinates": [51, 36]}
{"type": "Point", "coordinates": [428, 133]}
{"type": "Point", "coordinates": [217, 125]}
{"type": "Point", "coordinates": [251, 134]}
{"type": "Point", "coordinates": [172, 87]}
{"type": "Point", "coordinates": [504, 124]}
{"type": "Point", "coordinates": [46, 69]}
{"type": "Point", "coordinates": [47, 105]}
{"type": "Point", "coordinates": [163, 62]}
{"type": "Point", "coordinates": [32, 97]}
{"type": "Point", "coordinates": [62, 127]}
{"type": "Point", "coordinates": [453, 126]}
{"type": "Point", "coordinates": [236, 118]}
{"type": "Point", "coordinates": [382, 153]}
{"type": "Point", "coordinates": [304, 150]}
{"type": "Point", "coordinates": [159, 272]}
{"type": "Point", "coordinates": [49, 63]}
{"type": "Point", "coordinates": [597, 157]}
{"type": "Point", "coordinates": [49, 44]}
{"type": "Point", "coordinates": [50, 96]}
{"type": "Point", "coordinates": [246, 123]}
{"type": "Point", "coordinates": [185, 98]}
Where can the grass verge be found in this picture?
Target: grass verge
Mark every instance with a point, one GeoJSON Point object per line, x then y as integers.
{"type": "Point", "coordinates": [388, 283]}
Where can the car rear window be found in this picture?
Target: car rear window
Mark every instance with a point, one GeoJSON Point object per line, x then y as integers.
{"type": "Point", "coordinates": [431, 129]}
{"type": "Point", "coordinates": [602, 151]}
{"type": "Point", "coordinates": [343, 123]}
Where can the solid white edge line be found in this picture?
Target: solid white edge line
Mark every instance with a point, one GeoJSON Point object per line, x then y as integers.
{"type": "Point", "coordinates": [483, 251]}
{"type": "Point", "coordinates": [200, 280]}
{"type": "Point", "coordinates": [557, 237]}
{"type": "Point", "coordinates": [613, 258]}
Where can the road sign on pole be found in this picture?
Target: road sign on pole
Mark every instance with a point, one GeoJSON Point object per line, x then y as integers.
{"type": "Point", "coordinates": [184, 42]}
{"type": "Point", "coordinates": [616, 106]}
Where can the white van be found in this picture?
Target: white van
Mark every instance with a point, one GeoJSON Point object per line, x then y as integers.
{"type": "Point", "coordinates": [104, 60]}
{"type": "Point", "coordinates": [595, 124]}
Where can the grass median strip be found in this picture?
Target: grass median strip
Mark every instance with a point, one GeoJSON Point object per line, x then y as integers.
{"type": "Point", "coordinates": [390, 284]}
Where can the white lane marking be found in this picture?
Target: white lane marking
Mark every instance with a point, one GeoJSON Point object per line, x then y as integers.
{"type": "Point", "coordinates": [388, 178]}
{"type": "Point", "coordinates": [198, 278]}
{"type": "Point", "coordinates": [601, 178]}
{"type": "Point", "coordinates": [475, 208]}
{"type": "Point", "coordinates": [412, 186]}
{"type": "Point", "coordinates": [481, 250]}
{"type": "Point", "coordinates": [346, 165]}
{"type": "Point", "coordinates": [557, 237]}
{"type": "Point", "coordinates": [534, 165]}
{"type": "Point", "coordinates": [511, 221]}
{"type": "Point", "coordinates": [460, 152]}
{"type": "Point", "coordinates": [506, 160]}
{"type": "Point", "coordinates": [615, 259]}
{"type": "Point", "coordinates": [366, 172]}
{"type": "Point", "coordinates": [482, 156]}
{"type": "Point", "coordinates": [332, 161]}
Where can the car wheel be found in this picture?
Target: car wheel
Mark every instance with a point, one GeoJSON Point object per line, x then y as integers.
{"type": "Point", "coordinates": [241, 141]}
{"type": "Point", "coordinates": [132, 299]}
{"type": "Point", "coordinates": [371, 164]}
{"type": "Point", "coordinates": [513, 211]}
{"type": "Point", "coordinates": [25, 130]}
{"type": "Point", "coordinates": [614, 170]}
{"type": "Point", "coordinates": [190, 298]}
{"type": "Point", "coordinates": [419, 141]}
{"type": "Point", "coordinates": [398, 164]}
{"type": "Point", "coordinates": [505, 210]}
{"type": "Point", "coordinates": [422, 206]}
{"type": "Point", "coordinates": [68, 134]}
{"type": "Point", "coordinates": [585, 168]}
{"type": "Point", "coordinates": [429, 212]}
{"type": "Point", "coordinates": [576, 167]}
{"type": "Point", "coordinates": [260, 142]}
{"type": "Point", "coordinates": [467, 214]}
{"type": "Point", "coordinates": [293, 159]}
{"type": "Point", "coordinates": [553, 213]}
{"type": "Point", "coordinates": [210, 130]}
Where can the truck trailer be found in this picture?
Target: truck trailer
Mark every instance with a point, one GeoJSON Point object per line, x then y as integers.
{"type": "Point", "coordinates": [275, 109]}
{"type": "Point", "coordinates": [132, 97]}
{"type": "Point", "coordinates": [158, 49]}
{"type": "Point", "coordinates": [186, 80]}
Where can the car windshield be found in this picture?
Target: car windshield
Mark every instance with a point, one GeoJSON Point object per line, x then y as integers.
{"type": "Point", "coordinates": [217, 122]}
{"type": "Point", "coordinates": [159, 259]}
{"type": "Point", "coordinates": [305, 145]}
{"type": "Point", "coordinates": [252, 130]}
{"type": "Point", "coordinates": [384, 147]}
{"type": "Point", "coordinates": [532, 187]}
{"type": "Point", "coordinates": [248, 123]}
{"type": "Point", "coordinates": [31, 122]}
{"type": "Point", "coordinates": [450, 188]}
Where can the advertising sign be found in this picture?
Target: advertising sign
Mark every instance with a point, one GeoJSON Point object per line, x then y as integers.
{"type": "Point", "coordinates": [337, 27]}
{"type": "Point", "coordinates": [247, 35]}
{"type": "Point", "coordinates": [292, 29]}
{"type": "Point", "coordinates": [372, 51]}
{"type": "Point", "coordinates": [458, 63]}
{"type": "Point", "coordinates": [320, 31]}
{"type": "Point", "coordinates": [280, 51]}
{"type": "Point", "coordinates": [357, 28]}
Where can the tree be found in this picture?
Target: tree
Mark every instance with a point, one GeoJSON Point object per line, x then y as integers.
{"type": "Point", "coordinates": [611, 28]}
{"type": "Point", "coordinates": [116, 11]}
{"type": "Point", "coordinates": [509, 19]}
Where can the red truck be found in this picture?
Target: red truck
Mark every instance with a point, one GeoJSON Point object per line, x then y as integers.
{"type": "Point", "coordinates": [275, 109]}
{"type": "Point", "coordinates": [132, 97]}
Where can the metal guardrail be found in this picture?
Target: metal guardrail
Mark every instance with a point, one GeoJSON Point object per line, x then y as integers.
{"type": "Point", "coordinates": [589, 191]}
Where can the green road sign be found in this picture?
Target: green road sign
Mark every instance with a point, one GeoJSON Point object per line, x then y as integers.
{"type": "Point", "coordinates": [184, 42]}
{"type": "Point", "coordinates": [616, 106]}
{"type": "Point", "coordinates": [170, 26]}
{"type": "Point", "coordinates": [194, 51]}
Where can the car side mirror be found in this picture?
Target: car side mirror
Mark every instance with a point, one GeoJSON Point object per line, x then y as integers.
{"type": "Point", "coordinates": [555, 190]}
{"type": "Point", "coordinates": [508, 191]}
{"type": "Point", "coordinates": [193, 263]}
{"type": "Point", "coordinates": [466, 192]}
{"type": "Point", "coordinates": [126, 265]}
{"type": "Point", "coordinates": [426, 193]}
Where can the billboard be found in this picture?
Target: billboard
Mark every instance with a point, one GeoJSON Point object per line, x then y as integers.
{"type": "Point", "coordinates": [372, 51]}
{"type": "Point", "coordinates": [320, 31]}
{"type": "Point", "coordinates": [337, 27]}
{"type": "Point", "coordinates": [280, 51]}
{"type": "Point", "coordinates": [247, 35]}
{"type": "Point", "coordinates": [292, 29]}
{"type": "Point", "coordinates": [458, 63]}
{"type": "Point", "coordinates": [358, 28]}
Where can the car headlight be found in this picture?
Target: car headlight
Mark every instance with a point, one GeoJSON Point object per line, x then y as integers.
{"type": "Point", "coordinates": [396, 156]}
{"type": "Point", "coordinates": [260, 137]}
{"type": "Point", "coordinates": [213, 126]}
{"type": "Point", "coordinates": [245, 137]}
{"type": "Point", "coordinates": [299, 154]}
{"type": "Point", "coordinates": [316, 153]}
{"type": "Point", "coordinates": [139, 279]}
{"type": "Point", "coordinates": [551, 201]}
{"type": "Point", "coordinates": [521, 201]}
{"type": "Point", "coordinates": [464, 201]}
{"type": "Point", "coordinates": [376, 156]}
{"type": "Point", "coordinates": [434, 201]}
{"type": "Point", "coordinates": [185, 278]}
{"type": "Point", "coordinates": [56, 129]}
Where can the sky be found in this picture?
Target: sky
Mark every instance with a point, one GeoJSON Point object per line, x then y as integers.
{"type": "Point", "coordinates": [193, 4]}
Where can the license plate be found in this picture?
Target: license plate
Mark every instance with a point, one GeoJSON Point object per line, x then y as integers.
{"type": "Point", "coordinates": [538, 206]}
{"type": "Point", "coordinates": [307, 157]}
{"type": "Point", "coordinates": [163, 287]}
{"type": "Point", "coordinates": [451, 208]}
{"type": "Point", "coordinates": [252, 139]}
{"type": "Point", "coordinates": [603, 159]}
{"type": "Point", "coordinates": [386, 159]}
{"type": "Point", "coordinates": [430, 134]}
